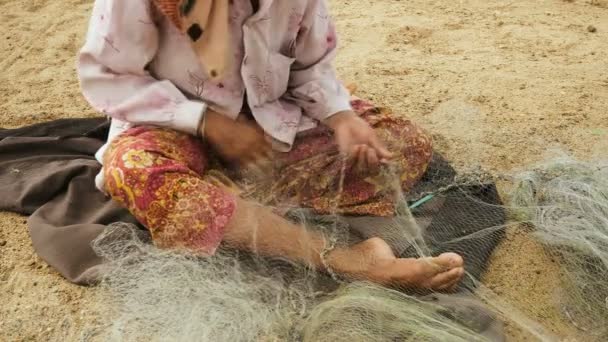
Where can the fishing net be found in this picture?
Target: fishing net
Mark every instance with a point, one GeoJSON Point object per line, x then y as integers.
{"type": "Point", "coordinates": [567, 204]}
{"type": "Point", "coordinates": [546, 227]}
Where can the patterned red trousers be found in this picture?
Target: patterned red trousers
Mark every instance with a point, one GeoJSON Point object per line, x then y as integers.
{"type": "Point", "coordinates": [164, 178]}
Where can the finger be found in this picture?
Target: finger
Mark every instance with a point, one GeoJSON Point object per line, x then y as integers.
{"type": "Point", "coordinates": [372, 160]}
{"type": "Point", "coordinates": [249, 158]}
{"type": "Point", "coordinates": [343, 145]}
{"type": "Point", "coordinates": [252, 169]}
{"type": "Point", "coordinates": [256, 151]}
{"type": "Point", "coordinates": [260, 170]}
{"type": "Point", "coordinates": [380, 148]}
{"type": "Point", "coordinates": [257, 157]}
{"type": "Point", "coordinates": [261, 160]}
{"type": "Point", "coordinates": [264, 165]}
{"type": "Point", "coordinates": [266, 155]}
{"type": "Point", "coordinates": [353, 153]}
{"type": "Point", "coordinates": [266, 151]}
{"type": "Point", "coordinates": [362, 158]}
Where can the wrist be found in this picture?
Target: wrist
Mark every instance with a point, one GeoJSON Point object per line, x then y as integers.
{"type": "Point", "coordinates": [339, 118]}
{"type": "Point", "coordinates": [202, 129]}
{"type": "Point", "coordinates": [210, 125]}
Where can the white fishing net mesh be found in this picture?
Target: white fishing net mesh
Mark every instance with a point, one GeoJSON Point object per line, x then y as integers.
{"type": "Point", "coordinates": [559, 209]}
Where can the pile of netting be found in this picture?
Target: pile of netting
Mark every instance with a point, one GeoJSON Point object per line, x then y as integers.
{"type": "Point", "coordinates": [561, 209]}
{"type": "Point", "coordinates": [567, 204]}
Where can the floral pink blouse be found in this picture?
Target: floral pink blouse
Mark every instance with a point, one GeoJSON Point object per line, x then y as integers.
{"type": "Point", "coordinates": [139, 69]}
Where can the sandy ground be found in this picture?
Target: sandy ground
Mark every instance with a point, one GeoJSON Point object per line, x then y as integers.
{"type": "Point", "coordinates": [498, 84]}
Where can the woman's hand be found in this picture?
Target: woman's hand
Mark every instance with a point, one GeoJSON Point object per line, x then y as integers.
{"type": "Point", "coordinates": [358, 140]}
{"type": "Point", "coordinates": [238, 141]}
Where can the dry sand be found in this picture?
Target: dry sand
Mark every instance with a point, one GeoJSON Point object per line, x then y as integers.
{"type": "Point", "coordinates": [497, 82]}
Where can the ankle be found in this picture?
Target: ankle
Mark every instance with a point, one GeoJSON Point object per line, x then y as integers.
{"type": "Point", "coordinates": [362, 260]}
{"type": "Point", "coordinates": [346, 261]}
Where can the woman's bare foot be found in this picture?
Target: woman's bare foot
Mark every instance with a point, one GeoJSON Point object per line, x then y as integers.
{"type": "Point", "coordinates": [373, 260]}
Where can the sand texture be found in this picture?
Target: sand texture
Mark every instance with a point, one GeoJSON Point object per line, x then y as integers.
{"type": "Point", "coordinates": [498, 83]}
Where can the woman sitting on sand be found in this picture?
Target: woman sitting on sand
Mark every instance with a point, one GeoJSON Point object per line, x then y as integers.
{"type": "Point", "coordinates": [249, 81]}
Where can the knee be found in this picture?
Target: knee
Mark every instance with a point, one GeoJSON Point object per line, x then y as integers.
{"type": "Point", "coordinates": [422, 143]}
{"type": "Point", "coordinates": [421, 138]}
{"type": "Point", "coordinates": [414, 144]}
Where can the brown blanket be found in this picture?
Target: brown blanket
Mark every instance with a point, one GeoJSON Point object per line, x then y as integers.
{"type": "Point", "coordinates": [47, 172]}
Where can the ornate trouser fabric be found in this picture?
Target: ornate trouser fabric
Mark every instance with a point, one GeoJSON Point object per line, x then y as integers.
{"type": "Point", "coordinates": [165, 179]}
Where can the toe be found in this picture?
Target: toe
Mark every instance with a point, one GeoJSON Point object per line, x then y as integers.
{"type": "Point", "coordinates": [451, 285]}
{"type": "Point", "coordinates": [443, 262]}
{"type": "Point", "coordinates": [450, 260]}
{"type": "Point", "coordinates": [446, 278]}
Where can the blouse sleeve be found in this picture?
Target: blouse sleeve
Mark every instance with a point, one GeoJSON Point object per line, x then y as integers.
{"type": "Point", "coordinates": [313, 82]}
{"type": "Point", "coordinates": [122, 39]}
